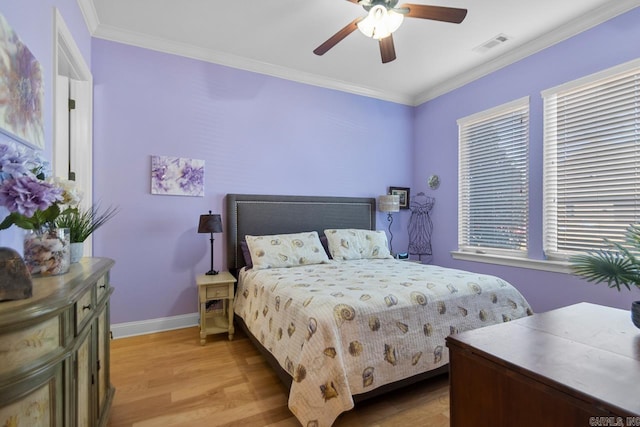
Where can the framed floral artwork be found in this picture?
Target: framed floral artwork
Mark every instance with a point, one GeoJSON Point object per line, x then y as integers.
{"type": "Point", "coordinates": [21, 90]}
{"type": "Point", "coordinates": [403, 192]}
{"type": "Point", "coordinates": [177, 176]}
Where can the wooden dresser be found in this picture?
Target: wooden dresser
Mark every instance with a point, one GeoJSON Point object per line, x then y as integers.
{"type": "Point", "coordinates": [574, 366]}
{"type": "Point", "coordinates": [54, 350]}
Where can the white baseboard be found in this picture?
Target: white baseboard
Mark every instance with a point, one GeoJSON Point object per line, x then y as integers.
{"type": "Point", "coordinates": [130, 329]}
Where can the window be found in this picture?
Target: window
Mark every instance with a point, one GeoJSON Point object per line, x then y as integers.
{"type": "Point", "coordinates": [493, 180]}
{"type": "Point", "coordinates": [591, 160]}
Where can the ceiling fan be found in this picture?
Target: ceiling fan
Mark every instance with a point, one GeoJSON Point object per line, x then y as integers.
{"type": "Point", "coordinates": [384, 18]}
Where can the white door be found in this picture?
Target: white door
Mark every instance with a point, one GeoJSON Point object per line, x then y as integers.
{"type": "Point", "coordinates": [80, 139]}
{"type": "Point", "coordinates": [72, 157]}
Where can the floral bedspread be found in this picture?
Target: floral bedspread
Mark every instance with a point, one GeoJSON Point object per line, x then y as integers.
{"type": "Point", "coordinates": [348, 327]}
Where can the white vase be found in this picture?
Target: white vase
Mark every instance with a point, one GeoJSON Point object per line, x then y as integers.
{"type": "Point", "coordinates": [77, 249]}
{"type": "Point", "coordinates": [46, 251]}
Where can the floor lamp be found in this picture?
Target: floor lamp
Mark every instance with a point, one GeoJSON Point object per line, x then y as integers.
{"type": "Point", "coordinates": [211, 223]}
{"type": "Point", "coordinates": [389, 203]}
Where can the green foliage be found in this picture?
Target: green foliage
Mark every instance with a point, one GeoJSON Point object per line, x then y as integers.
{"type": "Point", "coordinates": [617, 267]}
{"type": "Point", "coordinates": [39, 219]}
{"type": "Point", "coordinates": [81, 222]}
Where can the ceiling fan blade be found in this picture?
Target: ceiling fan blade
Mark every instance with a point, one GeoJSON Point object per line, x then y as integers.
{"type": "Point", "coordinates": [354, 1]}
{"type": "Point", "coordinates": [436, 13]}
{"type": "Point", "coordinates": [337, 37]}
{"type": "Point", "coordinates": [387, 50]}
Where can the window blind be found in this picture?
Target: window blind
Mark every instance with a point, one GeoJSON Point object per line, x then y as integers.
{"type": "Point", "coordinates": [591, 161]}
{"type": "Point", "coordinates": [493, 180]}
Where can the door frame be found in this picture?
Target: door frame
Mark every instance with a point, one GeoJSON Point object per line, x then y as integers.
{"type": "Point", "coordinates": [69, 62]}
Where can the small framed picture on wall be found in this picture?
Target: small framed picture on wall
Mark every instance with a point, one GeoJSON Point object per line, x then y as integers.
{"type": "Point", "coordinates": [403, 192]}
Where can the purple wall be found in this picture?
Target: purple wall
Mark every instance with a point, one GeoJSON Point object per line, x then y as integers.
{"type": "Point", "coordinates": [436, 151]}
{"type": "Point", "coordinates": [257, 134]}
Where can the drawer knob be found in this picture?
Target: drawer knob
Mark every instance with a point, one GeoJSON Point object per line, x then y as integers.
{"type": "Point", "coordinates": [103, 286]}
{"type": "Point", "coordinates": [86, 307]}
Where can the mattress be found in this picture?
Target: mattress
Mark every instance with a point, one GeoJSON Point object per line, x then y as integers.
{"type": "Point", "coordinates": [347, 327]}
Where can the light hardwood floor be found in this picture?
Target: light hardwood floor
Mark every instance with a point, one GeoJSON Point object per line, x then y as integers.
{"type": "Point", "coordinates": [169, 379]}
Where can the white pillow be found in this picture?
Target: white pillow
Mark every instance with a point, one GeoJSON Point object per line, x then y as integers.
{"type": "Point", "coordinates": [286, 250]}
{"type": "Point", "coordinates": [351, 243]}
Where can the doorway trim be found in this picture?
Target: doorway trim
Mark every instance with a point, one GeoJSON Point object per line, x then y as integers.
{"type": "Point", "coordinates": [69, 62]}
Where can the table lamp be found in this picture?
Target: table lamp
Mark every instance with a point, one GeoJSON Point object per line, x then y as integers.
{"type": "Point", "coordinates": [389, 203]}
{"type": "Point", "coordinates": [210, 223]}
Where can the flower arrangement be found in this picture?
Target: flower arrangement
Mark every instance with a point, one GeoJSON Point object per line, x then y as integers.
{"type": "Point", "coordinates": [33, 201]}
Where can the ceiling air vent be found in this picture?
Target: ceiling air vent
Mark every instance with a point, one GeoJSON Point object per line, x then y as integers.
{"type": "Point", "coordinates": [491, 43]}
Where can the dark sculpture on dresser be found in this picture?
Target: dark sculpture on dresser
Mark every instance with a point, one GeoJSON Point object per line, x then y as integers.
{"type": "Point", "coordinates": [15, 280]}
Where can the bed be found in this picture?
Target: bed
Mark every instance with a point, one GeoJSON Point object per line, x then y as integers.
{"type": "Point", "coordinates": [341, 327]}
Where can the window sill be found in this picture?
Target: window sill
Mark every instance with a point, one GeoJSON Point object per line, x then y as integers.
{"type": "Point", "coordinates": [533, 264]}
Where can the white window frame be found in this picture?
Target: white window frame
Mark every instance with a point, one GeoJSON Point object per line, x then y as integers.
{"type": "Point", "coordinates": [555, 246]}
{"type": "Point", "coordinates": [465, 248]}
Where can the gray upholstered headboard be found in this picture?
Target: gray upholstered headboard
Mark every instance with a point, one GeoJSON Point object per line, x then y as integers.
{"type": "Point", "coordinates": [266, 214]}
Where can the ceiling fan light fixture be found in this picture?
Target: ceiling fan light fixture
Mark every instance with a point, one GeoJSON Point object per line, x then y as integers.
{"type": "Point", "coordinates": [380, 22]}
{"type": "Point", "coordinates": [383, 18]}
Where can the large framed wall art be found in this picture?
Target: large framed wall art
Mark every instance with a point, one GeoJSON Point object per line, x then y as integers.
{"type": "Point", "coordinates": [21, 90]}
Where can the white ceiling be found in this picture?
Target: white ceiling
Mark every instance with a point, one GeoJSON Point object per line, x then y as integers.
{"type": "Point", "coordinates": [277, 37]}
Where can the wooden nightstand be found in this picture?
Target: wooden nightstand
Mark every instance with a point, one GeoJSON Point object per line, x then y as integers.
{"type": "Point", "coordinates": [215, 299]}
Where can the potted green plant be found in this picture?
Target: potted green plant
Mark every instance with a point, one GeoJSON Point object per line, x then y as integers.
{"type": "Point", "coordinates": [619, 266]}
{"type": "Point", "coordinates": [82, 223]}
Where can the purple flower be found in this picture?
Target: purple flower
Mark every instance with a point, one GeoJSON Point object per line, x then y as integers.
{"type": "Point", "coordinates": [192, 178]}
{"type": "Point", "coordinates": [14, 163]}
{"type": "Point", "coordinates": [26, 194]}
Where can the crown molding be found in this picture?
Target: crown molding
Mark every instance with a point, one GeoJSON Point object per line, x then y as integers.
{"type": "Point", "coordinates": [89, 14]}
{"type": "Point", "coordinates": [586, 21]}
{"type": "Point", "coordinates": [578, 25]}
{"type": "Point", "coordinates": [194, 52]}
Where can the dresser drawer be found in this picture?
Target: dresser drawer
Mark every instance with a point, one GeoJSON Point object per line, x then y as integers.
{"type": "Point", "coordinates": [84, 306]}
{"type": "Point", "coordinates": [214, 292]}
{"type": "Point", "coordinates": [101, 287]}
{"type": "Point", "coordinates": [25, 346]}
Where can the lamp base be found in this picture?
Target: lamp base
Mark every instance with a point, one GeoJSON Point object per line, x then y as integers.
{"type": "Point", "coordinates": [211, 273]}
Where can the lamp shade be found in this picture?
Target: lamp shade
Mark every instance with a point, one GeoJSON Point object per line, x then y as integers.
{"type": "Point", "coordinates": [389, 203]}
{"type": "Point", "coordinates": [380, 22]}
{"type": "Point", "coordinates": [210, 223]}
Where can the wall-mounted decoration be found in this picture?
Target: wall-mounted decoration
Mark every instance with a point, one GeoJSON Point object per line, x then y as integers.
{"type": "Point", "coordinates": [434, 182]}
{"type": "Point", "coordinates": [177, 176]}
{"type": "Point", "coordinates": [21, 90]}
{"type": "Point", "coordinates": [403, 192]}
{"type": "Point", "coordinates": [420, 226]}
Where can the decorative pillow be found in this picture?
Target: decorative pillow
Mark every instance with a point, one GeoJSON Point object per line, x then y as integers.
{"type": "Point", "coordinates": [325, 245]}
{"type": "Point", "coordinates": [286, 250]}
{"type": "Point", "coordinates": [246, 254]}
{"type": "Point", "coordinates": [351, 243]}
